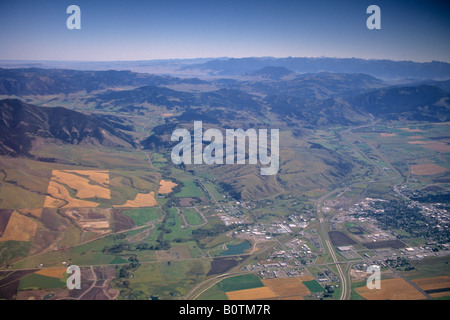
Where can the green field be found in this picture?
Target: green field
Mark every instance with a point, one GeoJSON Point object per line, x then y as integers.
{"type": "Point", "coordinates": [313, 286]}
{"type": "Point", "coordinates": [142, 216]}
{"type": "Point", "coordinates": [242, 282]}
{"type": "Point", "coordinates": [193, 217]}
{"type": "Point", "coordinates": [37, 281]}
{"type": "Point", "coordinates": [189, 190]}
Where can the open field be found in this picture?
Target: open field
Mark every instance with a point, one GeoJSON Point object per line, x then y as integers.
{"type": "Point", "coordinates": [141, 200]}
{"type": "Point", "coordinates": [142, 216]}
{"type": "Point", "coordinates": [385, 134]}
{"type": "Point", "coordinates": [60, 198]}
{"type": "Point", "coordinates": [52, 272]}
{"type": "Point", "coordinates": [427, 169]}
{"type": "Point", "coordinates": [391, 289]}
{"type": "Point", "coordinates": [19, 228]}
{"type": "Point", "coordinates": [289, 288]}
{"type": "Point", "coordinates": [88, 184]}
{"type": "Point", "coordinates": [276, 288]}
{"type": "Point", "coordinates": [5, 214]}
{"type": "Point", "coordinates": [252, 294]}
{"type": "Point", "coordinates": [411, 130]}
{"type": "Point", "coordinates": [166, 186]}
{"type": "Point", "coordinates": [436, 287]}
{"type": "Point", "coordinates": [179, 252]}
{"type": "Point", "coordinates": [193, 217]}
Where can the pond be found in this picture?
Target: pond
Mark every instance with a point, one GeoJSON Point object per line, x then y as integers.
{"type": "Point", "coordinates": [239, 248]}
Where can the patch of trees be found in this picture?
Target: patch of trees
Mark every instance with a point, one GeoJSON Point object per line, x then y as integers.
{"type": "Point", "coordinates": [228, 188]}
{"type": "Point", "coordinates": [434, 198]}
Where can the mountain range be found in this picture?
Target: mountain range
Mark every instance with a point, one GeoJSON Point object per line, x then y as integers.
{"type": "Point", "coordinates": [377, 68]}
{"type": "Point", "coordinates": [314, 99]}
{"type": "Point", "coordinates": [22, 123]}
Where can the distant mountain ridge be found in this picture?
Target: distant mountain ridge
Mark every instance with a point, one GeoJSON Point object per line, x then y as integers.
{"type": "Point", "coordinates": [32, 81]}
{"type": "Point", "coordinates": [419, 103]}
{"type": "Point", "coordinates": [377, 68]}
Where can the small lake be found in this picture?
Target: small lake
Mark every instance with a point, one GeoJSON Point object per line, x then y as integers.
{"type": "Point", "coordinates": [236, 248]}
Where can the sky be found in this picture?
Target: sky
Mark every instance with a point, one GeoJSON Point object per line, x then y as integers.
{"type": "Point", "coordinates": [128, 30]}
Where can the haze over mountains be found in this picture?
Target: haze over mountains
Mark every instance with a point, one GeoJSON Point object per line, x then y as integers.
{"type": "Point", "coordinates": [342, 97]}
{"type": "Point", "coordinates": [377, 68]}
{"type": "Point", "coordinates": [385, 69]}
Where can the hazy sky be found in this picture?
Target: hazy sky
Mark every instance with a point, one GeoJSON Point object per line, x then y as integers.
{"type": "Point", "coordinates": [166, 29]}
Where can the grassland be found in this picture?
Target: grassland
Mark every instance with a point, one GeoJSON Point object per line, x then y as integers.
{"type": "Point", "coordinates": [193, 218]}
{"type": "Point", "coordinates": [142, 216]}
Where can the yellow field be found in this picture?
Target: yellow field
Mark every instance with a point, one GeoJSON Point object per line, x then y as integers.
{"type": "Point", "coordinates": [141, 200]}
{"type": "Point", "coordinates": [438, 146]}
{"type": "Point", "coordinates": [427, 169]}
{"type": "Point", "coordinates": [434, 283]}
{"type": "Point", "coordinates": [34, 212]}
{"type": "Point", "coordinates": [391, 289]}
{"type": "Point", "coordinates": [385, 134]}
{"type": "Point", "coordinates": [52, 272]}
{"type": "Point", "coordinates": [251, 294]}
{"type": "Point", "coordinates": [289, 288]}
{"type": "Point", "coordinates": [60, 198]}
{"type": "Point", "coordinates": [412, 130]}
{"type": "Point", "coordinates": [166, 186]}
{"type": "Point", "coordinates": [433, 145]}
{"type": "Point", "coordinates": [19, 228]}
{"type": "Point", "coordinates": [277, 288]}
{"type": "Point", "coordinates": [88, 183]}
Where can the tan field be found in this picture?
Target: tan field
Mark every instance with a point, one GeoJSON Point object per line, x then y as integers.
{"type": "Point", "coordinates": [19, 228]}
{"type": "Point", "coordinates": [251, 294]}
{"type": "Point", "coordinates": [435, 283]}
{"type": "Point", "coordinates": [277, 288]}
{"type": "Point", "coordinates": [82, 181]}
{"type": "Point", "coordinates": [95, 224]}
{"type": "Point", "coordinates": [289, 288]}
{"type": "Point", "coordinates": [427, 169]}
{"type": "Point", "coordinates": [166, 186]}
{"type": "Point", "coordinates": [33, 212]}
{"type": "Point", "coordinates": [99, 176]}
{"type": "Point", "coordinates": [60, 198]}
{"type": "Point", "coordinates": [385, 134]}
{"type": "Point", "coordinates": [52, 272]}
{"type": "Point", "coordinates": [411, 130]}
{"type": "Point", "coordinates": [391, 289]}
{"type": "Point", "coordinates": [141, 200]}
{"type": "Point", "coordinates": [438, 146]}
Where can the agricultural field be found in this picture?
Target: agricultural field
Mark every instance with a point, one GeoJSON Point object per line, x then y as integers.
{"type": "Point", "coordinates": [391, 289]}
{"type": "Point", "coordinates": [250, 287]}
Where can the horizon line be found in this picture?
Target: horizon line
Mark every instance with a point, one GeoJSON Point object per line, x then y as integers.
{"type": "Point", "coordinates": [221, 58]}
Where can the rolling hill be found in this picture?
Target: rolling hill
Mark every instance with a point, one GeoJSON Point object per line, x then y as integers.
{"type": "Point", "coordinates": [22, 123]}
